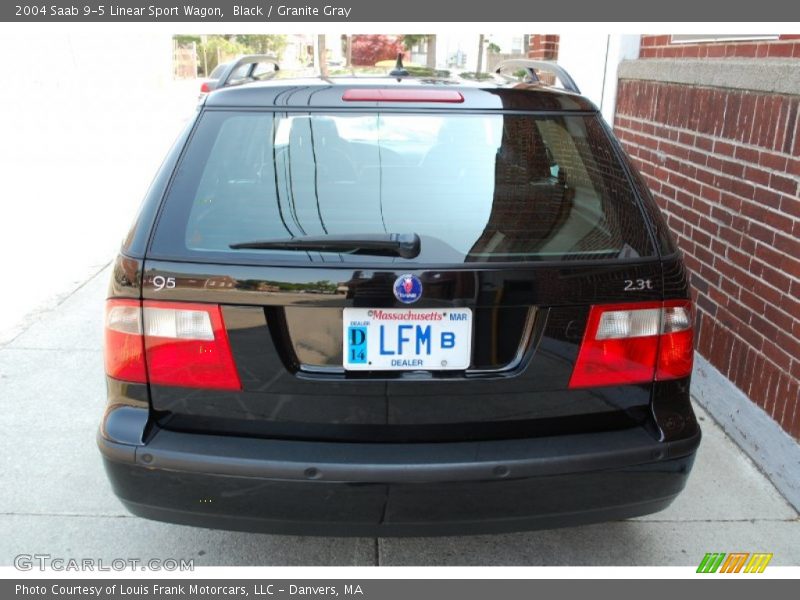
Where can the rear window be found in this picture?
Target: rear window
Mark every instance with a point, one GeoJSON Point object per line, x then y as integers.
{"type": "Point", "coordinates": [474, 187]}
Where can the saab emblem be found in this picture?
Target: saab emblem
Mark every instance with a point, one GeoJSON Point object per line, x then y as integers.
{"type": "Point", "coordinates": [408, 288]}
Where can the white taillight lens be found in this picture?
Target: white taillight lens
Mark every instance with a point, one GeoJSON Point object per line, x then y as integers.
{"type": "Point", "coordinates": [124, 318]}
{"type": "Point", "coordinates": [178, 324]}
{"type": "Point", "coordinates": [676, 318]}
{"type": "Point", "coordinates": [124, 345]}
{"type": "Point", "coordinates": [618, 324]}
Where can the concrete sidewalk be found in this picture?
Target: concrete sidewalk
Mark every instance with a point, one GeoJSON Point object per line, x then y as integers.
{"type": "Point", "coordinates": [55, 498]}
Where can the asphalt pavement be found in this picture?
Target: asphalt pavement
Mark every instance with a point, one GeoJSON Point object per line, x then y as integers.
{"type": "Point", "coordinates": [55, 499]}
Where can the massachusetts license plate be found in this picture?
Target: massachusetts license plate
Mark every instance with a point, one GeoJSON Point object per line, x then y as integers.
{"type": "Point", "coordinates": [398, 339]}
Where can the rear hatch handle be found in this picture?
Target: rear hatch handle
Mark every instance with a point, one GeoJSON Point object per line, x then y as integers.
{"type": "Point", "coordinates": [404, 245]}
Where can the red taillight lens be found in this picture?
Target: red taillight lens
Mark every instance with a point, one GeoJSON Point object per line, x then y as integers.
{"type": "Point", "coordinates": [187, 345]}
{"type": "Point", "coordinates": [676, 345]}
{"type": "Point", "coordinates": [179, 344]}
{"type": "Point", "coordinates": [635, 343]}
{"type": "Point", "coordinates": [205, 88]}
{"type": "Point", "coordinates": [124, 347]}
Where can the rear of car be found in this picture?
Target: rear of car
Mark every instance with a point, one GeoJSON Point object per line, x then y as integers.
{"type": "Point", "coordinates": [401, 308]}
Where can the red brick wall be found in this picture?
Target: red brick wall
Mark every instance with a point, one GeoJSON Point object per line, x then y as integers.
{"type": "Point", "coordinates": [543, 47]}
{"type": "Point", "coordinates": [724, 166]}
{"type": "Point", "coordinates": [661, 46]}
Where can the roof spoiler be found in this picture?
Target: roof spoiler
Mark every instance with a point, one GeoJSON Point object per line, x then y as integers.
{"type": "Point", "coordinates": [531, 66]}
{"type": "Point", "coordinates": [253, 60]}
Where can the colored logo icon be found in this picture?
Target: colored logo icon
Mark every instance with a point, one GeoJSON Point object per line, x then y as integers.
{"type": "Point", "coordinates": [408, 288]}
{"type": "Point", "coordinates": [736, 562]}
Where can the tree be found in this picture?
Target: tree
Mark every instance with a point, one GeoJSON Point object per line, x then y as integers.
{"type": "Point", "coordinates": [479, 68]}
{"type": "Point", "coordinates": [264, 44]}
{"type": "Point", "coordinates": [411, 40]}
{"type": "Point", "coordinates": [430, 54]}
{"type": "Point", "coordinates": [186, 40]}
{"type": "Point", "coordinates": [348, 50]}
{"type": "Point", "coordinates": [214, 49]}
{"type": "Point", "coordinates": [322, 52]}
{"type": "Point", "coordinates": [369, 49]}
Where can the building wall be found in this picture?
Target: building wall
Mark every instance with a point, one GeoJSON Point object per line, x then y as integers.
{"type": "Point", "coordinates": [593, 59]}
{"type": "Point", "coordinates": [718, 141]}
{"type": "Point", "coordinates": [661, 46]}
{"type": "Point", "coordinates": [543, 47]}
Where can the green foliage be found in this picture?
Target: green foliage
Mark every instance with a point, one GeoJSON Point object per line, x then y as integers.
{"type": "Point", "coordinates": [493, 48]}
{"type": "Point", "coordinates": [217, 49]}
{"type": "Point", "coordinates": [187, 40]}
{"type": "Point", "coordinates": [427, 72]}
{"type": "Point", "coordinates": [411, 40]}
{"type": "Point", "coordinates": [264, 44]}
{"type": "Point", "coordinates": [211, 49]}
{"type": "Point", "coordinates": [339, 71]}
{"type": "Point", "coordinates": [476, 76]}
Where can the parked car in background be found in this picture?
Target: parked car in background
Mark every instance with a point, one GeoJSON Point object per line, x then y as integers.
{"type": "Point", "coordinates": [245, 69]}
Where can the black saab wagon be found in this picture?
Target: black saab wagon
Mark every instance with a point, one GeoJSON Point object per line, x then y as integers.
{"type": "Point", "coordinates": [398, 306]}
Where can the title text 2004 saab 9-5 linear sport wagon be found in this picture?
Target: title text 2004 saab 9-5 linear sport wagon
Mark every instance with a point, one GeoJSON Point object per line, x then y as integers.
{"type": "Point", "coordinates": [398, 306]}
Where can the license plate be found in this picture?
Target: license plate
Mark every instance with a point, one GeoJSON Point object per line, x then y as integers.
{"type": "Point", "coordinates": [403, 339]}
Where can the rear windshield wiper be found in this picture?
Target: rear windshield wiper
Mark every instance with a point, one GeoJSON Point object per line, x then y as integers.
{"type": "Point", "coordinates": [404, 245]}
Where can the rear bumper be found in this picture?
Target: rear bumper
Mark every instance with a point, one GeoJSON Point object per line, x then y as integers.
{"type": "Point", "coordinates": [321, 488]}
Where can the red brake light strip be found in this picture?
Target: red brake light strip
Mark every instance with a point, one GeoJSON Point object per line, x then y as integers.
{"type": "Point", "coordinates": [401, 95]}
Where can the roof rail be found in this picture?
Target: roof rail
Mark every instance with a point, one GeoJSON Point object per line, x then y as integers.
{"type": "Point", "coordinates": [542, 65]}
{"type": "Point", "coordinates": [253, 60]}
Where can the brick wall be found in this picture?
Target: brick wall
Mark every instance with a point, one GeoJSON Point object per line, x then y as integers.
{"type": "Point", "coordinates": [661, 46]}
{"type": "Point", "coordinates": [543, 47]}
{"type": "Point", "coordinates": [724, 166]}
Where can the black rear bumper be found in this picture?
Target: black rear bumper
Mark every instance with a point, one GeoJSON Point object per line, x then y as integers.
{"type": "Point", "coordinates": [325, 488]}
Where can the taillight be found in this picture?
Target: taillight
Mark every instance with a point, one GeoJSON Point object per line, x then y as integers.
{"type": "Point", "coordinates": [401, 95]}
{"type": "Point", "coordinates": [179, 344]}
{"type": "Point", "coordinates": [205, 88]}
{"type": "Point", "coordinates": [635, 343]}
{"type": "Point", "coordinates": [124, 348]}
{"type": "Point", "coordinates": [676, 344]}
{"type": "Point", "coordinates": [186, 345]}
